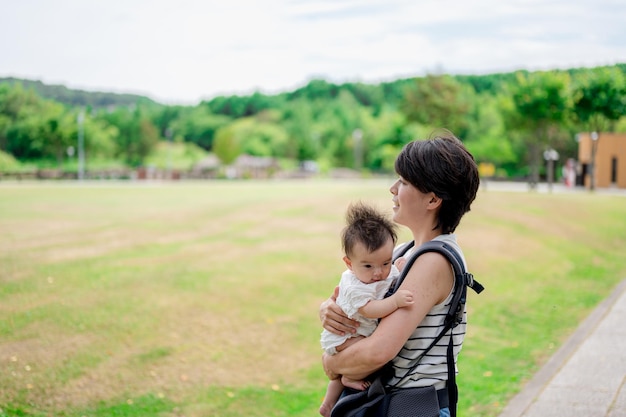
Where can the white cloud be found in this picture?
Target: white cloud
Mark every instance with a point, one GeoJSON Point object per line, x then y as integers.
{"type": "Point", "coordinates": [186, 50]}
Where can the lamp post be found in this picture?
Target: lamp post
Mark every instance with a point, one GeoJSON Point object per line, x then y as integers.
{"type": "Point", "coordinates": [81, 146]}
{"type": "Point", "coordinates": [592, 164]}
{"type": "Point", "coordinates": [169, 133]}
{"type": "Point", "coordinates": [551, 156]}
{"type": "Point", "coordinates": [357, 135]}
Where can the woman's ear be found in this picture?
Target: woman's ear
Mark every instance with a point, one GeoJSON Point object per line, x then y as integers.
{"type": "Point", "coordinates": [434, 201]}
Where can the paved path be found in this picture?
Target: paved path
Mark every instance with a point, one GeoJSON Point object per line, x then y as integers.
{"type": "Point", "coordinates": [543, 187]}
{"type": "Point", "coordinates": [586, 377]}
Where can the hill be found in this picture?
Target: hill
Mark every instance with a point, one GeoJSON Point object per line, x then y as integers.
{"type": "Point", "coordinates": [75, 97]}
{"type": "Point", "coordinates": [366, 94]}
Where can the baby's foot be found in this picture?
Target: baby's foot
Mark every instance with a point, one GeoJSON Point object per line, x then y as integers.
{"type": "Point", "coordinates": [325, 409]}
{"type": "Point", "coordinates": [360, 385]}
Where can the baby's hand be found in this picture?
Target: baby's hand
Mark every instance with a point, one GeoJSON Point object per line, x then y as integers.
{"type": "Point", "coordinates": [403, 298]}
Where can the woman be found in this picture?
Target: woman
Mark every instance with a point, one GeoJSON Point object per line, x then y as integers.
{"type": "Point", "coordinates": [438, 181]}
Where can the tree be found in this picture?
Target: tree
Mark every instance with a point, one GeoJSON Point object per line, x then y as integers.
{"type": "Point", "coordinates": [40, 129]}
{"type": "Point", "coordinates": [99, 137]}
{"type": "Point", "coordinates": [137, 137]}
{"type": "Point", "coordinates": [599, 101]}
{"type": "Point", "coordinates": [260, 135]}
{"type": "Point", "coordinates": [19, 110]}
{"type": "Point", "coordinates": [335, 123]}
{"type": "Point", "coordinates": [56, 127]}
{"type": "Point", "coordinates": [384, 137]}
{"type": "Point", "coordinates": [242, 106]}
{"type": "Point", "coordinates": [303, 139]}
{"type": "Point", "coordinates": [164, 117]}
{"type": "Point", "coordinates": [198, 125]}
{"type": "Point", "coordinates": [367, 95]}
{"type": "Point", "coordinates": [226, 145]}
{"type": "Point", "coordinates": [486, 138]}
{"type": "Point", "coordinates": [540, 103]}
{"type": "Point", "coordinates": [316, 90]}
{"type": "Point", "coordinates": [145, 143]}
{"type": "Point", "coordinates": [439, 101]}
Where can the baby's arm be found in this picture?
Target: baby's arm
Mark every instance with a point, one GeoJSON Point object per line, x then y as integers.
{"type": "Point", "coordinates": [376, 309]}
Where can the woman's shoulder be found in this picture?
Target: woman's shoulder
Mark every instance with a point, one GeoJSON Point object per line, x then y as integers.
{"type": "Point", "coordinates": [408, 248]}
{"type": "Point", "coordinates": [450, 239]}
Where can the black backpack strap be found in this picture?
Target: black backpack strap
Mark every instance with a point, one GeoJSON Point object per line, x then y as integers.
{"type": "Point", "coordinates": [462, 280]}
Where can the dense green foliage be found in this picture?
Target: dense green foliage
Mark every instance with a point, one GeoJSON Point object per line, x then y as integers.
{"type": "Point", "coordinates": [506, 120]}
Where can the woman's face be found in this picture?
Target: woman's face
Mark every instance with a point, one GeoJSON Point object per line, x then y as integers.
{"type": "Point", "coordinates": [409, 203]}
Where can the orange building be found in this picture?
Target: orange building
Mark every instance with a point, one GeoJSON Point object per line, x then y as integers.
{"type": "Point", "coordinates": [610, 158]}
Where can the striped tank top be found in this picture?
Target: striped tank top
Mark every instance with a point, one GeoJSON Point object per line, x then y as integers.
{"type": "Point", "coordinates": [432, 368]}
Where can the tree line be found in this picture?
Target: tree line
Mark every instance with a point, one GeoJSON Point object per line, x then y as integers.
{"type": "Point", "coordinates": [506, 120]}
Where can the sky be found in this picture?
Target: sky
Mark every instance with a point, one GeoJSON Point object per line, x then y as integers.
{"type": "Point", "coordinates": [185, 51]}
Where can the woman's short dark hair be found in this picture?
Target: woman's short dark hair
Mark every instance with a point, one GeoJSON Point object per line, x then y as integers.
{"type": "Point", "coordinates": [442, 165]}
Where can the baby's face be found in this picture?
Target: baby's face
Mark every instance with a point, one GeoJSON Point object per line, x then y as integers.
{"type": "Point", "coordinates": [368, 266]}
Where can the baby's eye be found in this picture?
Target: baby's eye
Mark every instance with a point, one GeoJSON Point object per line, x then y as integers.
{"type": "Point", "coordinates": [367, 266]}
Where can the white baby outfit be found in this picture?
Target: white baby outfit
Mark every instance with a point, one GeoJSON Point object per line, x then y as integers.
{"type": "Point", "coordinates": [354, 294]}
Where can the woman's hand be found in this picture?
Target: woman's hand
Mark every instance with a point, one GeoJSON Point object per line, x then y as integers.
{"type": "Point", "coordinates": [334, 319]}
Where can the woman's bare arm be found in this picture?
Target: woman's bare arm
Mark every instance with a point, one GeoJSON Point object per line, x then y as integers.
{"type": "Point", "coordinates": [430, 280]}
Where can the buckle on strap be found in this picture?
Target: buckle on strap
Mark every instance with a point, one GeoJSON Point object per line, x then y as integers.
{"type": "Point", "coordinates": [472, 283]}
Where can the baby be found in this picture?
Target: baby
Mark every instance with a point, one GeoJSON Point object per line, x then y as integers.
{"type": "Point", "coordinates": [368, 241]}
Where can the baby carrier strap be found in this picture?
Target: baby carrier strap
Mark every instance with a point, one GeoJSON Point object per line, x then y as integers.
{"type": "Point", "coordinates": [462, 280]}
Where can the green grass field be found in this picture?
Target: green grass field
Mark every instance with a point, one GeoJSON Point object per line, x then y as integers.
{"type": "Point", "coordinates": [201, 299]}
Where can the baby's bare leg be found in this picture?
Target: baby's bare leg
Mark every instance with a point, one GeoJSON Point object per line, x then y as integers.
{"type": "Point", "coordinates": [333, 392]}
{"type": "Point", "coordinates": [335, 387]}
{"type": "Point", "coordinates": [349, 342]}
